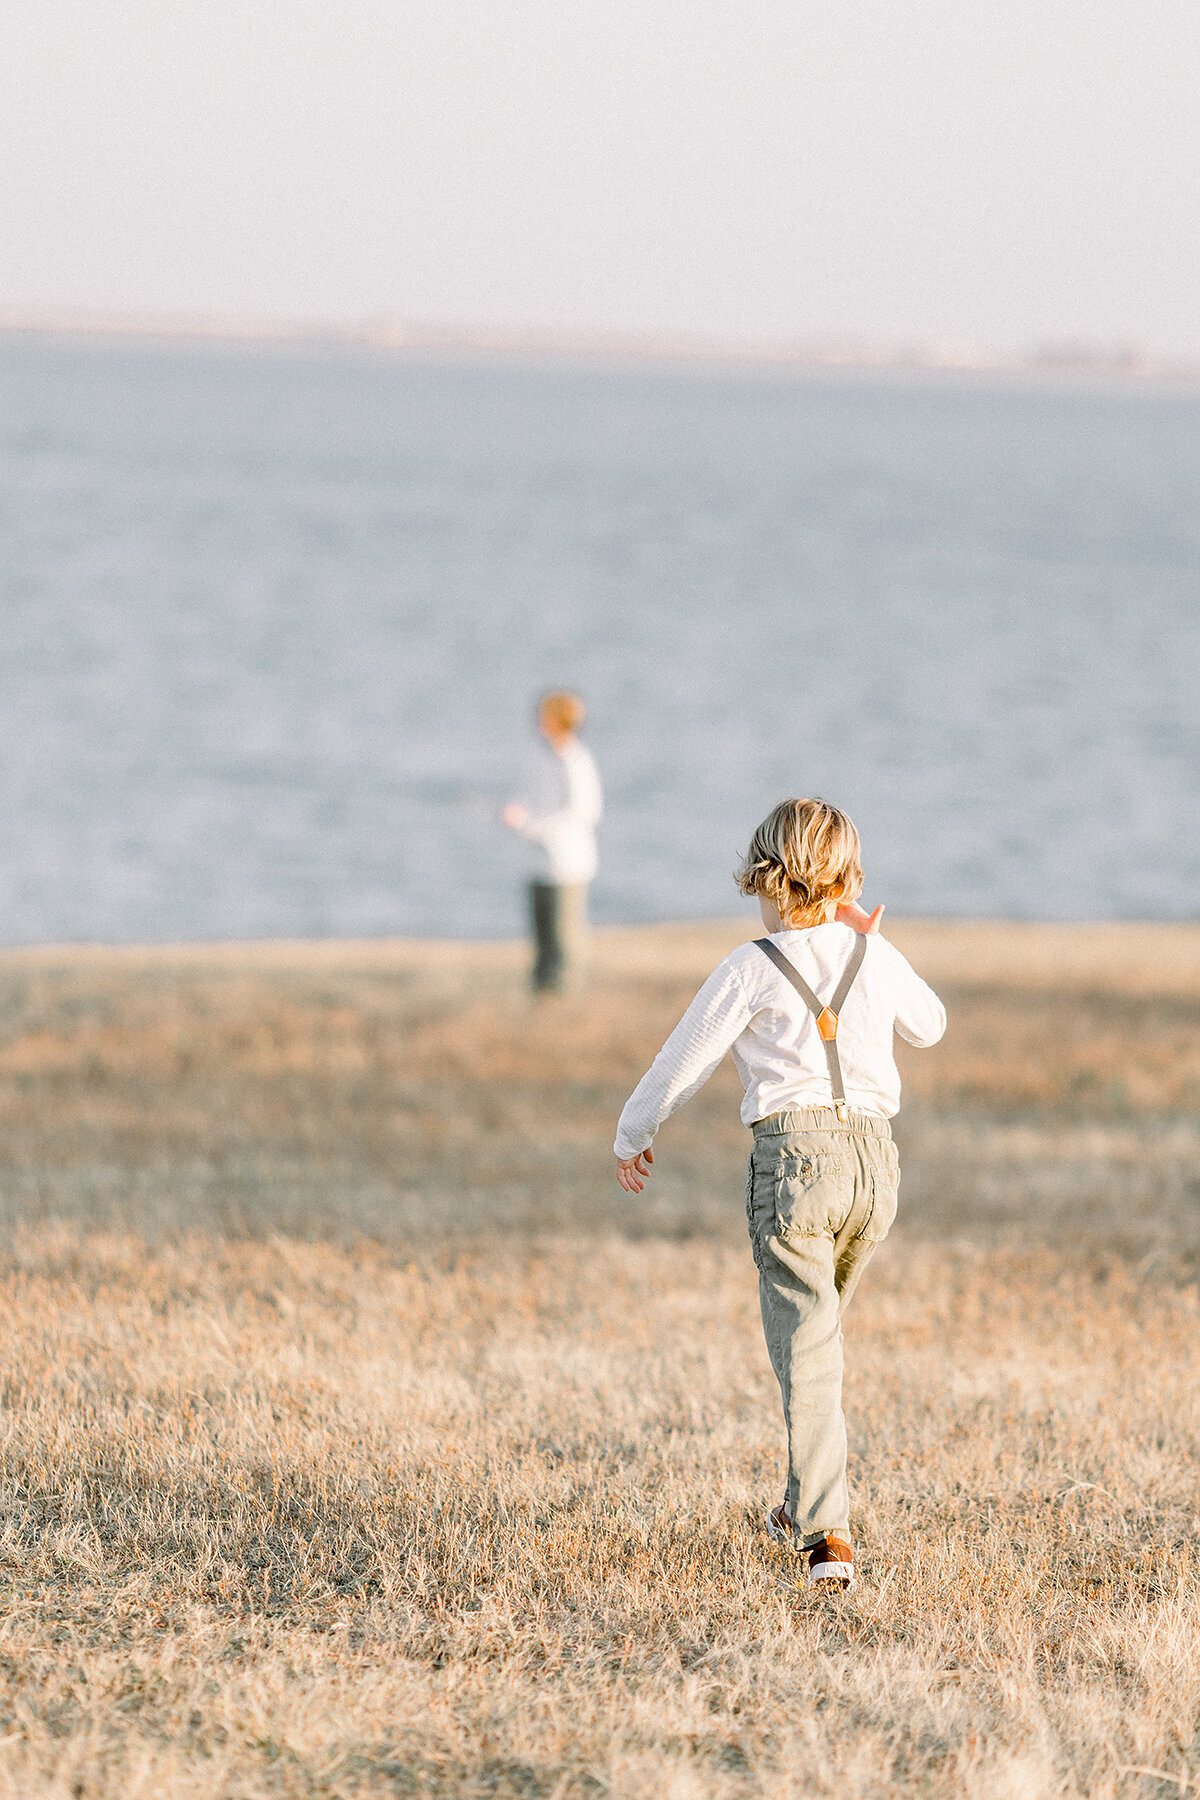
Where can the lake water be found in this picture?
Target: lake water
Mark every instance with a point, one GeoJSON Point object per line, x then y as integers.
{"type": "Point", "coordinates": [273, 622]}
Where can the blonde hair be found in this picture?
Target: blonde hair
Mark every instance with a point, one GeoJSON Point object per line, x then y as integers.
{"type": "Point", "coordinates": [561, 711]}
{"type": "Point", "coordinates": [804, 858]}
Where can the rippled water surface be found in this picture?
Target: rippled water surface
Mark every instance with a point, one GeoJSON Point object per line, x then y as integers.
{"type": "Point", "coordinates": [273, 622]}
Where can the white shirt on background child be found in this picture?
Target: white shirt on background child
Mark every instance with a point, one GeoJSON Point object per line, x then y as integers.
{"type": "Point", "coordinates": [561, 795]}
{"type": "Point", "coordinates": [750, 1009]}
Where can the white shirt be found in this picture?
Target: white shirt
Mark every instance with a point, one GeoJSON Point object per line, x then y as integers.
{"type": "Point", "coordinates": [749, 1008]}
{"type": "Point", "coordinates": [561, 793]}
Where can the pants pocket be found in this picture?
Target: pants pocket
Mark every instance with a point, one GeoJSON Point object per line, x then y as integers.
{"type": "Point", "coordinates": [813, 1194]}
{"type": "Point", "coordinates": [885, 1195]}
{"type": "Point", "coordinates": [755, 1225]}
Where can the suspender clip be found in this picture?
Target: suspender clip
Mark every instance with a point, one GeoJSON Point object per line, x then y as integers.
{"type": "Point", "coordinates": [842, 1111]}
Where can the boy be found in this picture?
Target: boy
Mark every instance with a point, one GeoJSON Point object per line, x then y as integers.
{"type": "Point", "coordinates": [557, 815]}
{"type": "Point", "coordinates": [808, 1014]}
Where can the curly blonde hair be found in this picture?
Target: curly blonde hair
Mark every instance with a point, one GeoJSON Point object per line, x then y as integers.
{"type": "Point", "coordinates": [804, 858]}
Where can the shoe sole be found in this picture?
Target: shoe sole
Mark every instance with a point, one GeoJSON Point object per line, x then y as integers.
{"type": "Point", "coordinates": [840, 1572]}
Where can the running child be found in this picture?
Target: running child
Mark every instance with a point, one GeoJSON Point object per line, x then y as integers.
{"type": "Point", "coordinates": [808, 1014]}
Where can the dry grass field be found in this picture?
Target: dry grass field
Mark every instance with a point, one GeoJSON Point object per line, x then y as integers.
{"type": "Point", "coordinates": [361, 1438]}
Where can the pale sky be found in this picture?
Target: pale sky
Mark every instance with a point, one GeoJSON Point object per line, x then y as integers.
{"type": "Point", "coordinates": [1014, 173]}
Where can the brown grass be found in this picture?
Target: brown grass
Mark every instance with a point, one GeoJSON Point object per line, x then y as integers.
{"type": "Point", "coordinates": [361, 1438]}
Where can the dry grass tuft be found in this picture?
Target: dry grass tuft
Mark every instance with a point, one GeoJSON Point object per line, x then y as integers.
{"type": "Point", "coordinates": [359, 1439]}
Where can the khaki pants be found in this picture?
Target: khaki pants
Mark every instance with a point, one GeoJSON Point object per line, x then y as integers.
{"type": "Point", "coordinates": [819, 1196]}
{"type": "Point", "coordinates": [558, 914]}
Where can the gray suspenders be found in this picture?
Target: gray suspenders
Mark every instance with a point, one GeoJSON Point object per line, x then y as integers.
{"type": "Point", "coordinates": [826, 1016]}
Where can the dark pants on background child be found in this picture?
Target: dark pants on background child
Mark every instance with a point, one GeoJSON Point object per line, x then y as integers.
{"type": "Point", "coordinates": [559, 917]}
{"type": "Point", "coordinates": [820, 1195]}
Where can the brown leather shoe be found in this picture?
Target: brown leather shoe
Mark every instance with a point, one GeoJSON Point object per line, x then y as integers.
{"type": "Point", "coordinates": [831, 1559]}
{"type": "Point", "coordinates": [779, 1526]}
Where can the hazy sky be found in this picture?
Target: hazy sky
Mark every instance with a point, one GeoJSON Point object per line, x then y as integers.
{"type": "Point", "coordinates": [1022, 171]}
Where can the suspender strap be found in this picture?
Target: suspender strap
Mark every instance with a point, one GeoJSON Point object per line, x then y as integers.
{"type": "Point", "coordinates": [826, 1016]}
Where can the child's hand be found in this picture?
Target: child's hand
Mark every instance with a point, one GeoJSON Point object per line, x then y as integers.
{"type": "Point", "coordinates": [850, 913]}
{"type": "Point", "coordinates": [632, 1171]}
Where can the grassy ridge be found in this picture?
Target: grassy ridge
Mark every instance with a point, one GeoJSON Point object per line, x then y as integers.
{"type": "Point", "coordinates": [360, 1437]}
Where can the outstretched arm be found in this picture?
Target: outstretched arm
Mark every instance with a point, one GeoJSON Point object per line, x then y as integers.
{"type": "Point", "coordinates": [718, 1014]}
{"type": "Point", "coordinates": [851, 913]}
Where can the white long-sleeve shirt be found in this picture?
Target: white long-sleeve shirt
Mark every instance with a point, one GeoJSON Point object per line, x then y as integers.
{"type": "Point", "coordinates": [747, 1006]}
{"type": "Point", "coordinates": [561, 794]}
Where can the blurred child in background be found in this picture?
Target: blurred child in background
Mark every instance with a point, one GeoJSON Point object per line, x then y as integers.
{"type": "Point", "coordinates": [557, 812]}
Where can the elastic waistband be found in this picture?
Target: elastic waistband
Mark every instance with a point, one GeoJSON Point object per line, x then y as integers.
{"type": "Point", "coordinates": [821, 1118]}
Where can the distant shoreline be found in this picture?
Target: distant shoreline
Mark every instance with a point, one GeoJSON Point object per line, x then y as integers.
{"type": "Point", "coordinates": [1125, 956]}
{"type": "Point", "coordinates": [391, 336]}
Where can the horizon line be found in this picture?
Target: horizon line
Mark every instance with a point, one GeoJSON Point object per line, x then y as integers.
{"type": "Point", "coordinates": [819, 350]}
